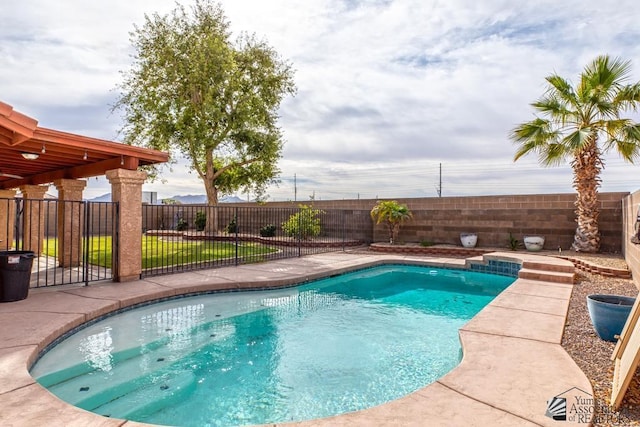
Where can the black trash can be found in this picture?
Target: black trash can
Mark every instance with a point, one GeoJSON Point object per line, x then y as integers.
{"type": "Point", "coordinates": [15, 274]}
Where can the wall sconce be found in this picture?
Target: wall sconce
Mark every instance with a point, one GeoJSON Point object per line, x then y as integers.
{"type": "Point", "coordinates": [30, 156]}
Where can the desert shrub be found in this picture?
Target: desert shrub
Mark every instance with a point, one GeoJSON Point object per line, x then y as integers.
{"type": "Point", "coordinates": [268, 230]}
{"type": "Point", "coordinates": [182, 224]}
{"type": "Point", "coordinates": [233, 226]}
{"type": "Point", "coordinates": [200, 221]}
{"type": "Point", "coordinates": [303, 224]}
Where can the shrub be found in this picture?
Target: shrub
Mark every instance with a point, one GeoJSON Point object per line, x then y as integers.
{"type": "Point", "coordinates": [268, 230]}
{"type": "Point", "coordinates": [392, 214]}
{"type": "Point", "coordinates": [182, 224]}
{"type": "Point", "coordinates": [304, 224]}
{"type": "Point", "coordinates": [200, 221]}
{"type": "Point", "coordinates": [513, 242]}
{"type": "Point", "coordinates": [233, 226]}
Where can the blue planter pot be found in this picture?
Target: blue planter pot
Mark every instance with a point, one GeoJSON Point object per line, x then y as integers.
{"type": "Point", "coordinates": [609, 314]}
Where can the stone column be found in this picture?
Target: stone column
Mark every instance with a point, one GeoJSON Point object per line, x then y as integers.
{"type": "Point", "coordinates": [8, 212]}
{"type": "Point", "coordinates": [34, 213]}
{"type": "Point", "coordinates": [126, 189]}
{"type": "Point", "coordinates": [70, 221]}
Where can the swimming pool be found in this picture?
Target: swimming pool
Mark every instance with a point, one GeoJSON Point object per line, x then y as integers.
{"type": "Point", "coordinates": [331, 346]}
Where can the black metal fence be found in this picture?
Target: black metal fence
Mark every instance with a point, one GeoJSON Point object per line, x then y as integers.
{"type": "Point", "coordinates": [73, 240]}
{"type": "Point", "coordinates": [186, 237]}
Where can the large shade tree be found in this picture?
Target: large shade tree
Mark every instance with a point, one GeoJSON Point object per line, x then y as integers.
{"type": "Point", "coordinates": [195, 92]}
{"type": "Point", "coordinates": [579, 124]}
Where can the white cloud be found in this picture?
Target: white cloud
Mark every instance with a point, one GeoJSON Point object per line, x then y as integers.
{"type": "Point", "coordinates": [387, 89]}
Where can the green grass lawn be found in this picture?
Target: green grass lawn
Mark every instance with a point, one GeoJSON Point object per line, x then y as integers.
{"type": "Point", "coordinates": [99, 250]}
{"type": "Point", "coordinates": [161, 253]}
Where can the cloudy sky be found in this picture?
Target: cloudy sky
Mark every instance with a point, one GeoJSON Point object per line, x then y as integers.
{"type": "Point", "coordinates": [388, 90]}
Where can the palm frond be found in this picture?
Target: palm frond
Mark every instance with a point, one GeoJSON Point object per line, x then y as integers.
{"type": "Point", "coordinates": [554, 155]}
{"type": "Point", "coordinates": [625, 138]}
{"type": "Point", "coordinates": [561, 87]}
{"type": "Point", "coordinates": [629, 97]}
{"type": "Point", "coordinates": [605, 73]}
{"type": "Point", "coordinates": [535, 136]}
{"type": "Point", "coordinates": [553, 107]}
{"type": "Point", "coordinates": [577, 140]}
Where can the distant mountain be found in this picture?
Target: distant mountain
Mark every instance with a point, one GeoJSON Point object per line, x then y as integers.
{"type": "Point", "coordinates": [232, 199]}
{"type": "Point", "coordinates": [201, 199]}
{"type": "Point", "coordinates": [189, 199]}
{"type": "Point", "coordinates": [103, 198]}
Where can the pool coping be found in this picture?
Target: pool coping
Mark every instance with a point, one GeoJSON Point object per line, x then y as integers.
{"type": "Point", "coordinates": [513, 362]}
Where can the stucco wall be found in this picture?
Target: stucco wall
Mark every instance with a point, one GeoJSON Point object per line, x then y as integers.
{"type": "Point", "coordinates": [630, 206]}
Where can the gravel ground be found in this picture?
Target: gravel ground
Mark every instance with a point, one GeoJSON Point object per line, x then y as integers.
{"type": "Point", "coordinates": [592, 354]}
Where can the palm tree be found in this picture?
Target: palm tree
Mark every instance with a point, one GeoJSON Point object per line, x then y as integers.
{"type": "Point", "coordinates": [392, 214]}
{"type": "Point", "coordinates": [580, 125]}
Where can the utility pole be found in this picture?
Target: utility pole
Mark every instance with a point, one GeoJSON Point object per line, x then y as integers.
{"type": "Point", "coordinates": [440, 184]}
{"type": "Point", "coordinates": [295, 188]}
{"type": "Point", "coordinates": [439, 187]}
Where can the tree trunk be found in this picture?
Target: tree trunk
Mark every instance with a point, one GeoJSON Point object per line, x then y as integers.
{"type": "Point", "coordinates": [587, 165]}
{"type": "Point", "coordinates": [212, 211]}
{"type": "Point", "coordinates": [390, 228]}
{"type": "Point", "coordinates": [395, 231]}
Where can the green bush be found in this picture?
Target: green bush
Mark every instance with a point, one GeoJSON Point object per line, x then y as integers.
{"type": "Point", "coordinates": [513, 242]}
{"type": "Point", "coordinates": [392, 214]}
{"type": "Point", "coordinates": [233, 226]}
{"type": "Point", "coordinates": [182, 224]}
{"type": "Point", "coordinates": [304, 224]}
{"type": "Point", "coordinates": [268, 230]}
{"type": "Point", "coordinates": [200, 221]}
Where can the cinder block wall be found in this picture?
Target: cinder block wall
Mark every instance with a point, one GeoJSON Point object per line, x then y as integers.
{"type": "Point", "coordinates": [630, 206]}
{"type": "Point", "coordinates": [441, 220]}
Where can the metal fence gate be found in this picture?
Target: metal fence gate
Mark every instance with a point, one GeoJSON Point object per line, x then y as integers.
{"type": "Point", "coordinates": [73, 240]}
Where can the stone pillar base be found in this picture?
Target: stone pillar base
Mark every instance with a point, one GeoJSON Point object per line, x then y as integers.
{"type": "Point", "coordinates": [33, 217]}
{"type": "Point", "coordinates": [126, 189]}
{"type": "Point", "coordinates": [7, 218]}
{"type": "Point", "coordinates": [70, 221]}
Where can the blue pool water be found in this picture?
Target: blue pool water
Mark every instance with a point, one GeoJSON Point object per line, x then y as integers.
{"type": "Point", "coordinates": [332, 346]}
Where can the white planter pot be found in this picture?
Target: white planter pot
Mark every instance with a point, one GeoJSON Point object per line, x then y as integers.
{"type": "Point", "coordinates": [468, 240]}
{"type": "Point", "coordinates": [534, 243]}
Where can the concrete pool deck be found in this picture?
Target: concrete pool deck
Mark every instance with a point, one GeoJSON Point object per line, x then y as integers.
{"type": "Point", "coordinates": [513, 362]}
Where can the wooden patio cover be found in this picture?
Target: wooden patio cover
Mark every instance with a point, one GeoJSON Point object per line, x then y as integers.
{"type": "Point", "coordinates": [60, 155]}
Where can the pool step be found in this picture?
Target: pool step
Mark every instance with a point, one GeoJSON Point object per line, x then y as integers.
{"type": "Point", "coordinates": [152, 398]}
{"type": "Point", "coordinates": [549, 266]}
{"type": "Point", "coordinates": [98, 387]}
{"type": "Point", "coordinates": [546, 275]}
